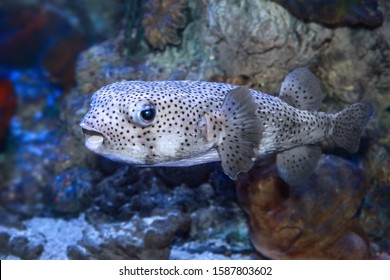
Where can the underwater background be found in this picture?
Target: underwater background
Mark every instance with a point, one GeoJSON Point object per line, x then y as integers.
{"type": "Point", "coordinates": [60, 201]}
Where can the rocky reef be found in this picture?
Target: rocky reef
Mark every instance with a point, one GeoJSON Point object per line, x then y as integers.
{"type": "Point", "coordinates": [60, 201]}
{"type": "Point", "coordinates": [313, 220]}
{"type": "Point", "coordinates": [336, 13]}
{"type": "Point", "coordinates": [162, 20]}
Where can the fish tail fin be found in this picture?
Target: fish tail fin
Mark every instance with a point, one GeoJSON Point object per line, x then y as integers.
{"type": "Point", "coordinates": [349, 125]}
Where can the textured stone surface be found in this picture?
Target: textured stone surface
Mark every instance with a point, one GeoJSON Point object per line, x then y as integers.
{"type": "Point", "coordinates": [314, 220]}
{"type": "Point", "coordinates": [48, 171]}
{"type": "Point", "coordinates": [337, 12]}
{"type": "Point", "coordinates": [266, 38]}
{"type": "Point", "coordinates": [147, 238]}
{"type": "Point", "coordinates": [23, 244]}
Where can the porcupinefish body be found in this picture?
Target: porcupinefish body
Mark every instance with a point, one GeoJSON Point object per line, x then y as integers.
{"type": "Point", "coordinates": [181, 123]}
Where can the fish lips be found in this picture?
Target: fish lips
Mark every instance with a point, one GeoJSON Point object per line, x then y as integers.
{"type": "Point", "coordinates": [93, 138]}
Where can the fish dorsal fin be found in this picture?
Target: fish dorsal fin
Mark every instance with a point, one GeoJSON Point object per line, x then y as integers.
{"type": "Point", "coordinates": [297, 164]}
{"type": "Point", "coordinates": [237, 131]}
{"type": "Point", "coordinates": [302, 90]}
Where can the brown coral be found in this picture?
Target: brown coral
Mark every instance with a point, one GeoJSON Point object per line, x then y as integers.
{"type": "Point", "coordinates": [161, 21]}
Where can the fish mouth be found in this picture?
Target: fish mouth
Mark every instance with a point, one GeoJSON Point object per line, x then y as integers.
{"type": "Point", "coordinates": [93, 138]}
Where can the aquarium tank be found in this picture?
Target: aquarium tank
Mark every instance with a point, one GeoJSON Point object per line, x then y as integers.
{"type": "Point", "coordinates": [167, 84]}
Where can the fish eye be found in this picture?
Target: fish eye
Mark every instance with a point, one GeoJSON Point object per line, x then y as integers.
{"type": "Point", "coordinates": [146, 115]}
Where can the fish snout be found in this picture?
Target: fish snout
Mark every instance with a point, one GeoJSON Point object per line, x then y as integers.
{"type": "Point", "coordinates": [93, 138]}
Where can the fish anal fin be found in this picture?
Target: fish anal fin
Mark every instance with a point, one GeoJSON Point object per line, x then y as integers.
{"type": "Point", "coordinates": [302, 90]}
{"type": "Point", "coordinates": [297, 164]}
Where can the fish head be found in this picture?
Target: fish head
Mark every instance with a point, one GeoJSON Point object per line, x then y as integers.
{"type": "Point", "coordinates": [142, 123]}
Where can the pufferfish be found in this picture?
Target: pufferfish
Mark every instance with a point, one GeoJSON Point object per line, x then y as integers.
{"type": "Point", "coordinates": [183, 123]}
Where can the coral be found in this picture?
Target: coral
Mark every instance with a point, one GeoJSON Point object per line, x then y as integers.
{"type": "Point", "coordinates": [315, 220]}
{"type": "Point", "coordinates": [147, 238]}
{"type": "Point", "coordinates": [133, 26]}
{"type": "Point", "coordinates": [161, 21]}
{"type": "Point", "coordinates": [336, 12]}
{"type": "Point", "coordinates": [132, 214]}
{"type": "Point", "coordinates": [41, 238]}
{"type": "Point", "coordinates": [67, 189]}
{"type": "Point", "coordinates": [137, 191]}
{"type": "Point", "coordinates": [53, 41]}
{"type": "Point", "coordinates": [48, 172]}
{"type": "Point", "coordinates": [29, 25]}
{"type": "Point", "coordinates": [60, 60]}
{"type": "Point", "coordinates": [265, 44]}
{"type": "Point", "coordinates": [105, 63]}
{"type": "Point", "coordinates": [375, 218]}
{"type": "Point", "coordinates": [8, 103]}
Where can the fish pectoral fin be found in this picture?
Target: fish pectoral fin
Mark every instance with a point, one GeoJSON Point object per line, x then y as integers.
{"type": "Point", "coordinates": [297, 164]}
{"type": "Point", "coordinates": [239, 131]}
{"type": "Point", "coordinates": [302, 90]}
